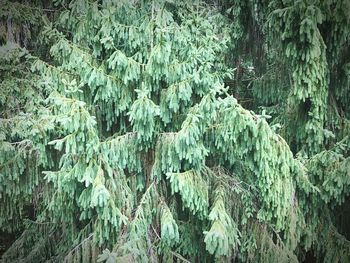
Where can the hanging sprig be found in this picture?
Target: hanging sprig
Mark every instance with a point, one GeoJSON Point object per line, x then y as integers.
{"type": "Point", "coordinates": [223, 236]}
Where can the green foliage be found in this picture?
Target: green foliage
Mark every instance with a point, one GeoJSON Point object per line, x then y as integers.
{"type": "Point", "coordinates": [20, 21]}
{"type": "Point", "coordinates": [142, 115]}
{"type": "Point", "coordinates": [305, 49]}
{"type": "Point", "coordinates": [223, 234]}
{"type": "Point", "coordinates": [22, 140]}
{"type": "Point", "coordinates": [154, 131]}
{"type": "Point", "coordinates": [169, 229]}
{"type": "Point", "coordinates": [331, 167]}
{"type": "Point", "coordinates": [193, 190]}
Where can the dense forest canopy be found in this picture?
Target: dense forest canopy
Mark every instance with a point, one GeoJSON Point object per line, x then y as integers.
{"type": "Point", "coordinates": [175, 131]}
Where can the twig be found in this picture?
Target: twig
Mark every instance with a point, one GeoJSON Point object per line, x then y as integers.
{"type": "Point", "coordinates": [179, 257]}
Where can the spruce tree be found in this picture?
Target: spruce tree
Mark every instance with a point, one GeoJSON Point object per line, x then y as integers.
{"type": "Point", "coordinates": [161, 131]}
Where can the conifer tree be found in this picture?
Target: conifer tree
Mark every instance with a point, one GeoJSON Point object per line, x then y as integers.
{"type": "Point", "coordinates": [157, 131]}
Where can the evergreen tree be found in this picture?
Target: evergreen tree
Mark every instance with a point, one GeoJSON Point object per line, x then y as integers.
{"type": "Point", "coordinates": [164, 131]}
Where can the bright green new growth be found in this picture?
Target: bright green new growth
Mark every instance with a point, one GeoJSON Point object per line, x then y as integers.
{"type": "Point", "coordinates": [127, 135]}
